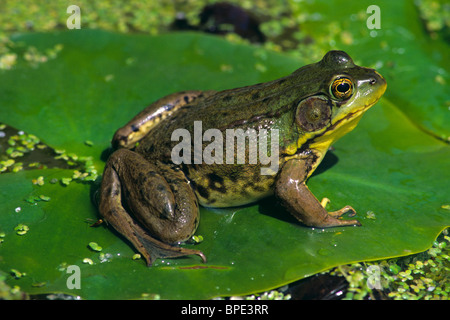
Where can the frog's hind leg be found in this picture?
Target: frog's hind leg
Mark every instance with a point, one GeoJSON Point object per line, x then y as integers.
{"type": "Point", "coordinates": [147, 119]}
{"type": "Point", "coordinates": [154, 222]}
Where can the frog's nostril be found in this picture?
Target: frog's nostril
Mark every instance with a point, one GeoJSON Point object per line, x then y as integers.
{"type": "Point", "coordinates": [372, 81]}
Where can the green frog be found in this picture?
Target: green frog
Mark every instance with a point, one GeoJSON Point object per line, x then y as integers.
{"type": "Point", "coordinates": [153, 201]}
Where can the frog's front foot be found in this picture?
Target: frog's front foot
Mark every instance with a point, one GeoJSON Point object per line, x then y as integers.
{"type": "Point", "coordinates": [291, 189]}
{"type": "Point", "coordinates": [339, 213]}
{"type": "Point", "coordinates": [332, 218]}
{"type": "Point", "coordinates": [137, 201]}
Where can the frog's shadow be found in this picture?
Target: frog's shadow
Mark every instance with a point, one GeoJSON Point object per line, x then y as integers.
{"type": "Point", "coordinates": [106, 153]}
{"type": "Point", "coordinates": [95, 187]}
{"type": "Point", "coordinates": [94, 191]}
{"type": "Point", "coordinates": [329, 161]}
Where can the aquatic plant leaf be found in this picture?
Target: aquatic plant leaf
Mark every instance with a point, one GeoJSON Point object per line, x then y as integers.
{"type": "Point", "coordinates": [387, 166]}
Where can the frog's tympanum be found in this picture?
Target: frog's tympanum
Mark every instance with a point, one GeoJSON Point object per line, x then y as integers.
{"type": "Point", "coordinates": [154, 202]}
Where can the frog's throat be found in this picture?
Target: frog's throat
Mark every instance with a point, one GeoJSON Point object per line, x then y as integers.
{"type": "Point", "coordinates": [319, 143]}
{"type": "Point", "coordinates": [322, 140]}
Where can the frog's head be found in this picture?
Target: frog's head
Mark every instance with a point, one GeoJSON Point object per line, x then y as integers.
{"type": "Point", "coordinates": [343, 92]}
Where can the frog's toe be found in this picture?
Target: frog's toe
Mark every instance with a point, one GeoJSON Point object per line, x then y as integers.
{"type": "Point", "coordinates": [331, 221]}
{"type": "Point", "coordinates": [339, 213]}
{"type": "Point", "coordinates": [153, 249]}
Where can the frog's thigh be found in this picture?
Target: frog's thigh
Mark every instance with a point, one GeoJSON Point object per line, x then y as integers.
{"type": "Point", "coordinates": [168, 211]}
{"type": "Point", "coordinates": [149, 197]}
{"type": "Point", "coordinates": [302, 204]}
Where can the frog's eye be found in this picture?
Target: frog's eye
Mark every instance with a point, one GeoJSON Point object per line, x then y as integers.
{"type": "Point", "coordinates": [313, 113]}
{"type": "Point", "coordinates": [342, 88]}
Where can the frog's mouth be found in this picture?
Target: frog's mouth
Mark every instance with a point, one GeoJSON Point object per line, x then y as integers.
{"type": "Point", "coordinates": [321, 141]}
{"type": "Point", "coordinates": [348, 121]}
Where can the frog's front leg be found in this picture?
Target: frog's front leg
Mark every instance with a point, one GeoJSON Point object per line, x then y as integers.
{"type": "Point", "coordinates": [144, 121]}
{"type": "Point", "coordinates": [291, 189]}
{"type": "Point", "coordinates": [141, 205]}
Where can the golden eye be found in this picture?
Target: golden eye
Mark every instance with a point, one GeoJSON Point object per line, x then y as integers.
{"type": "Point", "coordinates": [342, 88]}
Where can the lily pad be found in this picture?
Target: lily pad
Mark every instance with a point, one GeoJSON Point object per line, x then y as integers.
{"type": "Point", "coordinates": [388, 169]}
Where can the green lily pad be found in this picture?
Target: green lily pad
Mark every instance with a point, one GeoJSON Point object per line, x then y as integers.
{"type": "Point", "coordinates": [388, 169]}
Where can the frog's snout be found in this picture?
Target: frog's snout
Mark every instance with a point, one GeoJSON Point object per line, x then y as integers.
{"type": "Point", "coordinates": [378, 80]}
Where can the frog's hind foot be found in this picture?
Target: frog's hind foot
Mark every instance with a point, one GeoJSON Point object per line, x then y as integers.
{"type": "Point", "coordinates": [152, 249]}
{"type": "Point", "coordinates": [149, 247]}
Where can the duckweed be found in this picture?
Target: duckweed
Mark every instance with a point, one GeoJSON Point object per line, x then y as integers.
{"type": "Point", "coordinates": [38, 181]}
{"type": "Point", "coordinates": [268, 295]}
{"type": "Point", "coordinates": [105, 257]}
{"type": "Point", "coordinates": [44, 198]}
{"type": "Point", "coordinates": [34, 199]}
{"type": "Point", "coordinates": [63, 266]}
{"type": "Point", "coordinates": [422, 276]}
{"type": "Point", "coordinates": [20, 144]}
{"type": "Point", "coordinates": [94, 246]}
{"type": "Point", "coordinates": [66, 181]}
{"type": "Point", "coordinates": [38, 284]}
{"type": "Point", "coordinates": [4, 165]}
{"type": "Point", "coordinates": [195, 239]}
{"type": "Point", "coordinates": [136, 256]}
{"type": "Point", "coordinates": [21, 229]}
{"type": "Point", "coordinates": [7, 61]}
{"type": "Point", "coordinates": [17, 274]}
{"type": "Point", "coordinates": [370, 215]}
